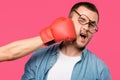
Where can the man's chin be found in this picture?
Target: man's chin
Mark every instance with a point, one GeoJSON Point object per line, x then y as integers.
{"type": "Point", "coordinates": [78, 45]}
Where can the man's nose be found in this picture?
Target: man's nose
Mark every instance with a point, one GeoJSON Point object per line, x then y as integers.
{"type": "Point", "coordinates": [86, 26]}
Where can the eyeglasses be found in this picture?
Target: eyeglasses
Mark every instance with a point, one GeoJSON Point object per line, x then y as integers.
{"type": "Point", "coordinates": [83, 20]}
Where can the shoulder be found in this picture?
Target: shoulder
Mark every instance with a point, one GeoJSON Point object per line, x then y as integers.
{"type": "Point", "coordinates": [99, 63]}
{"type": "Point", "coordinates": [41, 53]}
{"type": "Point", "coordinates": [45, 51]}
{"type": "Point", "coordinates": [101, 66]}
{"type": "Point", "coordinates": [95, 58]}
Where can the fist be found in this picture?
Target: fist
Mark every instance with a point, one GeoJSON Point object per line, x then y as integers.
{"type": "Point", "coordinates": [62, 29]}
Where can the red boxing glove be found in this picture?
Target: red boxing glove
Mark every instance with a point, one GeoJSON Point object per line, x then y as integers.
{"type": "Point", "coordinates": [62, 29]}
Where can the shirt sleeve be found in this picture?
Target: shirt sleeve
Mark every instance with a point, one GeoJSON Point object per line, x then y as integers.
{"type": "Point", "coordinates": [30, 68]}
{"type": "Point", "coordinates": [105, 74]}
{"type": "Point", "coordinates": [32, 65]}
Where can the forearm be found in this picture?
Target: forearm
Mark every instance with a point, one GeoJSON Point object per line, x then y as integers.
{"type": "Point", "coordinates": [20, 48]}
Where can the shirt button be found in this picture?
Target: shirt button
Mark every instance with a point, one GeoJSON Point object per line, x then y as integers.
{"type": "Point", "coordinates": [51, 63]}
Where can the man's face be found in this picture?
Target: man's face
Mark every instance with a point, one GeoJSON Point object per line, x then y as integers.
{"type": "Point", "coordinates": [83, 34]}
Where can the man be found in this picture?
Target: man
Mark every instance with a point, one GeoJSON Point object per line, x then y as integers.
{"type": "Point", "coordinates": [69, 60]}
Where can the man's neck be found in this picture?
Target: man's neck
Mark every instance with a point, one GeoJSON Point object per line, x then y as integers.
{"type": "Point", "coordinates": [69, 49]}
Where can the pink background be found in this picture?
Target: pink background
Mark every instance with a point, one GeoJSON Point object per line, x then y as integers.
{"type": "Point", "coordinates": [21, 19]}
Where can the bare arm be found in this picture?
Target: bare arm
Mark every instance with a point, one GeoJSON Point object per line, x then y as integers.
{"type": "Point", "coordinates": [20, 48]}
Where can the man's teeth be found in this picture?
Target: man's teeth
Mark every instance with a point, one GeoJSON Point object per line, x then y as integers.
{"type": "Point", "coordinates": [83, 35]}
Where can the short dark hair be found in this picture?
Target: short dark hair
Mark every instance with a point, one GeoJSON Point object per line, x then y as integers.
{"type": "Point", "coordinates": [88, 5]}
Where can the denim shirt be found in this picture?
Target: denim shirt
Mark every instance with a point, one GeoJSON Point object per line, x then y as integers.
{"type": "Point", "coordinates": [90, 67]}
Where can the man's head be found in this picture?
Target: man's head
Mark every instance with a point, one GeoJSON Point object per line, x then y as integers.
{"type": "Point", "coordinates": [85, 18]}
{"type": "Point", "coordinates": [88, 5]}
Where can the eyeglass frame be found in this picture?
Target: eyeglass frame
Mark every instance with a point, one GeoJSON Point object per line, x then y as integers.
{"type": "Point", "coordinates": [89, 22]}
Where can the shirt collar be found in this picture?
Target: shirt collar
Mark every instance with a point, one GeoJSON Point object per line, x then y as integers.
{"type": "Point", "coordinates": [84, 53]}
{"type": "Point", "coordinates": [56, 48]}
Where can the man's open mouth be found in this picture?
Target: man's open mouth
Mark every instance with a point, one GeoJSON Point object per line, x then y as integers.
{"type": "Point", "coordinates": [83, 35]}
